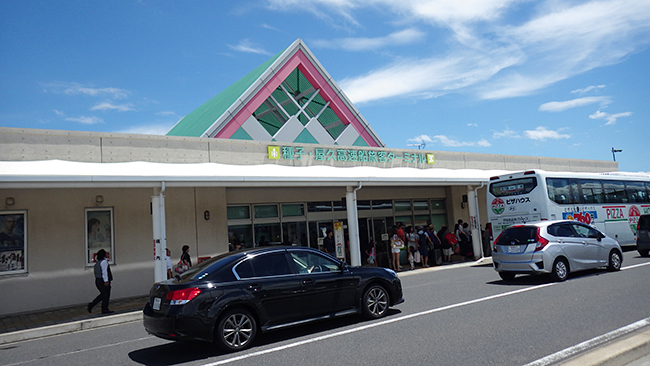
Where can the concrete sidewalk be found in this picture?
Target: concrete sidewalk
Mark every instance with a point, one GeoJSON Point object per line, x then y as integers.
{"type": "Point", "coordinates": [19, 327]}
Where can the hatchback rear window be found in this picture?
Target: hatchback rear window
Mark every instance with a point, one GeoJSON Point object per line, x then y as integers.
{"type": "Point", "coordinates": [518, 235]}
{"type": "Point", "coordinates": [644, 222]}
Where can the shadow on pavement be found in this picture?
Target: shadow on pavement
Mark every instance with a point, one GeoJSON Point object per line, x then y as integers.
{"type": "Point", "coordinates": [174, 353]}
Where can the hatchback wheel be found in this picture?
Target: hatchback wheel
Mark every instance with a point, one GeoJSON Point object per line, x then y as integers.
{"type": "Point", "coordinates": [236, 330]}
{"type": "Point", "coordinates": [644, 253]}
{"type": "Point", "coordinates": [614, 263]}
{"type": "Point", "coordinates": [560, 270]}
{"type": "Point", "coordinates": [375, 302]}
{"type": "Point", "coordinates": [507, 276]}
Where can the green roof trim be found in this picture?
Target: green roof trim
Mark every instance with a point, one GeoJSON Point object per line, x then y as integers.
{"type": "Point", "coordinates": [240, 134]}
{"type": "Point", "coordinates": [305, 138]}
{"type": "Point", "coordinates": [199, 120]}
{"type": "Point", "coordinates": [360, 142]}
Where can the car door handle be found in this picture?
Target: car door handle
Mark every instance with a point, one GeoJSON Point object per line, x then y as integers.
{"type": "Point", "coordinates": [254, 287]}
{"type": "Point", "coordinates": [308, 282]}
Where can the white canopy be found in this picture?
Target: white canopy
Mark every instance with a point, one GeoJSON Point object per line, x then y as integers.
{"type": "Point", "coordinates": [59, 173]}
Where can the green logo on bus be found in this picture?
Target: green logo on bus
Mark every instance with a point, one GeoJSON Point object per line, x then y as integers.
{"type": "Point", "coordinates": [498, 206]}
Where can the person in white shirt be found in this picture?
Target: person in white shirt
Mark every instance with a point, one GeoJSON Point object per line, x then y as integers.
{"type": "Point", "coordinates": [168, 261]}
{"type": "Point", "coordinates": [103, 279]}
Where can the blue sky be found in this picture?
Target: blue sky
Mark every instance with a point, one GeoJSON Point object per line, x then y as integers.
{"type": "Point", "coordinates": [555, 78]}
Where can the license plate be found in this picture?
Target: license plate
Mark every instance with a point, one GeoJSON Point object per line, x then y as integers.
{"type": "Point", "coordinates": [156, 303]}
{"type": "Point", "coordinates": [514, 249]}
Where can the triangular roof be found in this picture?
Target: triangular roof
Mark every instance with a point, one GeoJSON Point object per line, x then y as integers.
{"type": "Point", "coordinates": [289, 98]}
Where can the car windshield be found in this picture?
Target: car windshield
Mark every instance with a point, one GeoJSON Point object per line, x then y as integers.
{"type": "Point", "coordinates": [518, 235]}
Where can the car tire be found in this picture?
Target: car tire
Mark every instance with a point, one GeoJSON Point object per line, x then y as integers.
{"type": "Point", "coordinates": [507, 276]}
{"type": "Point", "coordinates": [614, 262]}
{"type": "Point", "coordinates": [375, 302]}
{"type": "Point", "coordinates": [236, 330]}
{"type": "Point", "coordinates": [644, 253]}
{"type": "Point", "coordinates": [560, 270]}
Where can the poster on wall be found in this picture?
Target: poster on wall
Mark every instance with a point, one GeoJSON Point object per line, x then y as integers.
{"type": "Point", "coordinates": [99, 233]}
{"type": "Point", "coordinates": [13, 242]}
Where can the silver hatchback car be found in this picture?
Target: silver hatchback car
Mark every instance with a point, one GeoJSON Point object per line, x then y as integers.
{"type": "Point", "coordinates": [555, 247]}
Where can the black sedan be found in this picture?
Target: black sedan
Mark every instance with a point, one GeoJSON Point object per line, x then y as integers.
{"type": "Point", "coordinates": [229, 298]}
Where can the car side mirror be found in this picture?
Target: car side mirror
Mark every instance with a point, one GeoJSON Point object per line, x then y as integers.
{"type": "Point", "coordinates": [342, 265]}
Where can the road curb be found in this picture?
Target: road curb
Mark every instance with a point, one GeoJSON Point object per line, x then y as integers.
{"type": "Point", "coordinates": [76, 326]}
{"type": "Point", "coordinates": [618, 353]}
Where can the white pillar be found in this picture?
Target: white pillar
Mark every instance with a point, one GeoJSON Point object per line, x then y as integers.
{"type": "Point", "coordinates": [474, 223]}
{"type": "Point", "coordinates": [159, 234]}
{"type": "Point", "coordinates": [353, 225]}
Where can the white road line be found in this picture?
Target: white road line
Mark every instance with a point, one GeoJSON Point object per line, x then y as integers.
{"type": "Point", "coordinates": [388, 321]}
{"type": "Point", "coordinates": [378, 324]}
{"type": "Point", "coordinates": [568, 352]}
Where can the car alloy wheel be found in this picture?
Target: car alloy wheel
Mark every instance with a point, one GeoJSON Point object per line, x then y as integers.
{"type": "Point", "coordinates": [560, 270]}
{"type": "Point", "coordinates": [375, 302]}
{"type": "Point", "coordinates": [507, 276]}
{"type": "Point", "coordinates": [236, 330]}
{"type": "Point", "coordinates": [614, 261]}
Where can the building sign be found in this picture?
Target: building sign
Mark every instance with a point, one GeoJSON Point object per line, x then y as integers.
{"type": "Point", "coordinates": [344, 154]}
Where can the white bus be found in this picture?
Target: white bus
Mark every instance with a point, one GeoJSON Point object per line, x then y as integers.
{"type": "Point", "coordinates": [612, 202]}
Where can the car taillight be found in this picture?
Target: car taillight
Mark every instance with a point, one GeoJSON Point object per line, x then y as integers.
{"type": "Point", "coordinates": [541, 242]}
{"type": "Point", "coordinates": [496, 241]}
{"type": "Point", "coordinates": [180, 297]}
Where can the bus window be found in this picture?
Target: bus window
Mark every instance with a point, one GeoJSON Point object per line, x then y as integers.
{"type": "Point", "coordinates": [592, 191]}
{"type": "Point", "coordinates": [614, 191]}
{"type": "Point", "coordinates": [635, 191]}
{"type": "Point", "coordinates": [562, 190]}
{"type": "Point", "coordinates": [513, 187]}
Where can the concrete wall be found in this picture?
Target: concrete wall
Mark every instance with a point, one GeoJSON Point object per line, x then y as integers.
{"type": "Point", "coordinates": [17, 144]}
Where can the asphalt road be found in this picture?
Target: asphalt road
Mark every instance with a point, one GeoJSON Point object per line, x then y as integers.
{"type": "Point", "coordinates": [460, 316]}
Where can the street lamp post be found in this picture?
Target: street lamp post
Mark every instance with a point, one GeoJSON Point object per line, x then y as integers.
{"type": "Point", "coordinates": [614, 151]}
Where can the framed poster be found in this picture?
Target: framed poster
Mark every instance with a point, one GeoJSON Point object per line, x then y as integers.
{"type": "Point", "coordinates": [13, 242]}
{"type": "Point", "coordinates": [99, 233]}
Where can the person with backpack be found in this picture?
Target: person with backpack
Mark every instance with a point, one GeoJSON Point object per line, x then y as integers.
{"type": "Point", "coordinates": [423, 246]}
{"type": "Point", "coordinates": [435, 250]}
{"type": "Point", "coordinates": [444, 235]}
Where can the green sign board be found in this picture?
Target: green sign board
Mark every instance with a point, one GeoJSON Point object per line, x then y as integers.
{"type": "Point", "coordinates": [363, 156]}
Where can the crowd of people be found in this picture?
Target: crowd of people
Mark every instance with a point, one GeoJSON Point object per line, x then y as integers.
{"type": "Point", "coordinates": [426, 246]}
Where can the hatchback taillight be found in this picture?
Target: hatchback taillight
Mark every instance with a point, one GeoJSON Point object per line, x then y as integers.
{"type": "Point", "coordinates": [180, 297]}
{"type": "Point", "coordinates": [541, 242]}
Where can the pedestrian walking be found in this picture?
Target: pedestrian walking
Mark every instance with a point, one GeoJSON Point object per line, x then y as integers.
{"type": "Point", "coordinates": [103, 279]}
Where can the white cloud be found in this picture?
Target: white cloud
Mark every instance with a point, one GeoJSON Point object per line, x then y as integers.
{"type": "Point", "coordinates": [248, 47]}
{"type": "Point", "coordinates": [472, 125]}
{"type": "Point", "coordinates": [405, 36]}
{"type": "Point", "coordinates": [437, 75]}
{"type": "Point", "coordinates": [491, 48]}
{"type": "Point", "coordinates": [105, 106]}
{"type": "Point", "coordinates": [166, 113]}
{"type": "Point", "coordinates": [152, 129]}
{"type": "Point", "coordinates": [507, 133]}
{"type": "Point", "coordinates": [610, 118]}
{"type": "Point", "coordinates": [446, 141]}
{"type": "Point", "coordinates": [85, 120]}
{"type": "Point", "coordinates": [568, 104]}
{"type": "Point", "coordinates": [542, 134]}
{"type": "Point", "coordinates": [71, 88]}
{"type": "Point", "coordinates": [587, 89]}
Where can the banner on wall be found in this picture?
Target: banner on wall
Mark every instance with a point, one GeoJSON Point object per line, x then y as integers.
{"type": "Point", "coordinates": [339, 239]}
{"type": "Point", "coordinates": [13, 242]}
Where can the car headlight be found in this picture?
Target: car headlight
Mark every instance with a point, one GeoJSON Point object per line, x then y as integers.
{"type": "Point", "coordinates": [392, 273]}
